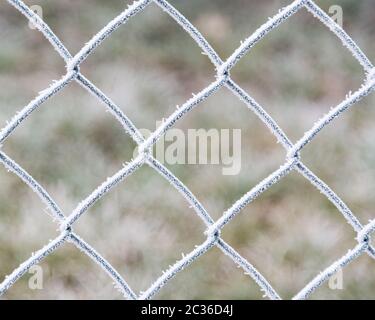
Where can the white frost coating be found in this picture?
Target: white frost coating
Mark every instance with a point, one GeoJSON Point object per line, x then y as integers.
{"type": "Point", "coordinates": [293, 161]}
{"type": "Point", "coordinates": [371, 75]}
{"type": "Point", "coordinates": [365, 233]}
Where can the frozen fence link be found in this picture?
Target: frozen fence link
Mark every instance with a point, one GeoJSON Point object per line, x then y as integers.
{"type": "Point", "coordinates": [365, 233]}
{"type": "Point", "coordinates": [293, 160]}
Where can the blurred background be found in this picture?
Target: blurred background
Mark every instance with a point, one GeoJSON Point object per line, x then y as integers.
{"type": "Point", "coordinates": [150, 65]}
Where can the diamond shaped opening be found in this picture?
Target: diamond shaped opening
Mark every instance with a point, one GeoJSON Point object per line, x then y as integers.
{"type": "Point", "coordinates": [343, 155]}
{"type": "Point", "coordinates": [290, 233]}
{"type": "Point", "coordinates": [237, 151]}
{"type": "Point", "coordinates": [298, 72]}
{"type": "Point", "coordinates": [141, 227]}
{"type": "Point", "coordinates": [70, 145]}
{"type": "Point", "coordinates": [151, 65]}
{"type": "Point", "coordinates": [28, 62]}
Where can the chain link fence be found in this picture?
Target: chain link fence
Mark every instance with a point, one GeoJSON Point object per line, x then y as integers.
{"type": "Point", "coordinates": [293, 161]}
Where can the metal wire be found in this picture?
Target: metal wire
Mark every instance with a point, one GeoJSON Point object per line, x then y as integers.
{"type": "Point", "coordinates": [293, 160]}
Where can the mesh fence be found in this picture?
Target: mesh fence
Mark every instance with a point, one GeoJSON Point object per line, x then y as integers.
{"type": "Point", "coordinates": [145, 157]}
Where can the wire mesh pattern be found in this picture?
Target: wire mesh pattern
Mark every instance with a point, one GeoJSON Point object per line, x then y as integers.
{"type": "Point", "coordinates": [293, 160]}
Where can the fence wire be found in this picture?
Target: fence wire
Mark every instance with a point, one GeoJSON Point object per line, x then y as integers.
{"type": "Point", "coordinates": [293, 160]}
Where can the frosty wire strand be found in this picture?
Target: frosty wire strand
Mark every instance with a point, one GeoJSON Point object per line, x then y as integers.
{"type": "Point", "coordinates": [223, 79]}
